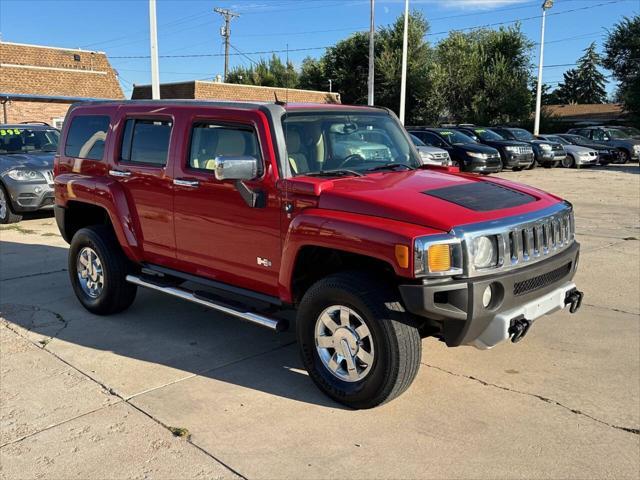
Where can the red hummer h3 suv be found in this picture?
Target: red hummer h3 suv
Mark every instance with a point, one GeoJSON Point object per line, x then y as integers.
{"type": "Point", "coordinates": [254, 209]}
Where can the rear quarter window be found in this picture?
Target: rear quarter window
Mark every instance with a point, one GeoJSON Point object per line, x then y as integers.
{"type": "Point", "coordinates": [86, 137]}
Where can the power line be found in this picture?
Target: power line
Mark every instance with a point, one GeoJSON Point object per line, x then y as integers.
{"type": "Point", "coordinates": [198, 55]}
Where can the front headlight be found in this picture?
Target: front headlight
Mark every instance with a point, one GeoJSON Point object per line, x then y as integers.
{"type": "Point", "coordinates": [437, 255]}
{"type": "Point", "coordinates": [546, 147]}
{"type": "Point", "coordinates": [25, 175]}
{"type": "Point", "coordinates": [483, 156]}
{"type": "Point", "coordinates": [485, 251]}
{"type": "Point", "coordinates": [512, 149]}
{"type": "Point", "coordinates": [427, 157]}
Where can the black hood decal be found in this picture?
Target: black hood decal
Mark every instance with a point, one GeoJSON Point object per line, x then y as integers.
{"type": "Point", "coordinates": [482, 196]}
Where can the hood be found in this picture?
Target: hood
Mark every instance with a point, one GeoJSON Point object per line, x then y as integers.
{"type": "Point", "coordinates": [476, 147]}
{"type": "Point", "coordinates": [506, 143]}
{"type": "Point", "coordinates": [434, 198]}
{"type": "Point", "coordinates": [32, 161]}
{"type": "Point", "coordinates": [430, 149]}
{"type": "Point", "coordinates": [578, 149]}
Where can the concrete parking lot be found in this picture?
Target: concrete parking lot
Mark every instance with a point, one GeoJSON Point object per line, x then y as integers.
{"type": "Point", "coordinates": [171, 390]}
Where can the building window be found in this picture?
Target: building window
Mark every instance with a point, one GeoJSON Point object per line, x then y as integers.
{"type": "Point", "coordinates": [86, 137]}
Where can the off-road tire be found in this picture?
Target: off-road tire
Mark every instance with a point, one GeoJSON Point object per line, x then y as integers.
{"type": "Point", "coordinates": [7, 216]}
{"type": "Point", "coordinates": [397, 344]}
{"type": "Point", "coordinates": [117, 294]}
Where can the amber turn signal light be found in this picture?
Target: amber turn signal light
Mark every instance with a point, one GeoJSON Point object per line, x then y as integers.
{"type": "Point", "coordinates": [439, 258]}
{"type": "Point", "coordinates": [402, 256]}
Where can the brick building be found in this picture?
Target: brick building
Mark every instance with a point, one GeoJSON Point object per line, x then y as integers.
{"type": "Point", "coordinates": [201, 90]}
{"type": "Point", "coordinates": [38, 83]}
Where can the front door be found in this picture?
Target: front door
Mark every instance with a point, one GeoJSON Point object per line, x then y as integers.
{"type": "Point", "coordinates": [218, 235]}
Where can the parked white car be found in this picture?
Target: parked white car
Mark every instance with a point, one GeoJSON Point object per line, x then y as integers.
{"type": "Point", "coordinates": [577, 156]}
{"type": "Point", "coordinates": [431, 155]}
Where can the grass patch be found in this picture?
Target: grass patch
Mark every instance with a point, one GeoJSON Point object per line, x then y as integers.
{"type": "Point", "coordinates": [179, 432]}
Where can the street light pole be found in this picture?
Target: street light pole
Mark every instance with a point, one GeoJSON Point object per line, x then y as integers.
{"type": "Point", "coordinates": [371, 54]}
{"type": "Point", "coordinates": [153, 37]}
{"type": "Point", "coordinates": [536, 126]}
{"type": "Point", "coordinates": [403, 81]}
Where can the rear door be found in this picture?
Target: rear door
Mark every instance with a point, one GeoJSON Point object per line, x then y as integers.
{"type": "Point", "coordinates": [141, 166]}
{"type": "Point", "coordinates": [218, 235]}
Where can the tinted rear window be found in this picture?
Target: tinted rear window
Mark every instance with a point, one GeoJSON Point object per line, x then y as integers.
{"type": "Point", "coordinates": [86, 137]}
{"type": "Point", "coordinates": [146, 141]}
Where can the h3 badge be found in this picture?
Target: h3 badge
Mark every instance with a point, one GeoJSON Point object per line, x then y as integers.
{"type": "Point", "coordinates": [265, 262]}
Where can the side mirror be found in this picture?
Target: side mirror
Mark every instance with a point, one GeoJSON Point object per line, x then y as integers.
{"type": "Point", "coordinates": [235, 168]}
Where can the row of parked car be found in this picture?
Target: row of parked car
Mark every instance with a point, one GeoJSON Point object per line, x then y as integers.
{"type": "Point", "coordinates": [492, 149]}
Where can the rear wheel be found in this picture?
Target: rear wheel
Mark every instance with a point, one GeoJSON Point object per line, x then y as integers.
{"type": "Point", "coordinates": [624, 156]}
{"type": "Point", "coordinates": [98, 270]}
{"type": "Point", "coordinates": [355, 342]}
{"type": "Point", "coordinates": [6, 214]}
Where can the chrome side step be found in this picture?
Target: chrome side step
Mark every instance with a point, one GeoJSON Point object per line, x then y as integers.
{"type": "Point", "coordinates": [273, 324]}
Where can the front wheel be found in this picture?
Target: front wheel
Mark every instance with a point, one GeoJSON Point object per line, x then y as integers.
{"type": "Point", "coordinates": [6, 214]}
{"type": "Point", "coordinates": [98, 270]}
{"type": "Point", "coordinates": [355, 341]}
{"type": "Point", "coordinates": [624, 156]}
{"type": "Point", "coordinates": [568, 161]}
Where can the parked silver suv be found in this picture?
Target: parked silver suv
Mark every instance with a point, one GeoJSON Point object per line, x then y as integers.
{"type": "Point", "coordinates": [26, 169]}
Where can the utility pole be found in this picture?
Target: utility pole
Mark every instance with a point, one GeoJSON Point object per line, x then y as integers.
{"type": "Point", "coordinates": [536, 126]}
{"type": "Point", "coordinates": [403, 81]}
{"type": "Point", "coordinates": [226, 34]}
{"type": "Point", "coordinates": [153, 37]}
{"type": "Point", "coordinates": [371, 53]}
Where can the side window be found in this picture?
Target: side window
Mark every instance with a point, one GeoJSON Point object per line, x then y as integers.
{"type": "Point", "coordinates": [433, 140]}
{"type": "Point", "coordinates": [209, 140]}
{"type": "Point", "coordinates": [146, 141]}
{"type": "Point", "coordinates": [597, 135]}
{"type": "Point", "coordinates": [86, 137]}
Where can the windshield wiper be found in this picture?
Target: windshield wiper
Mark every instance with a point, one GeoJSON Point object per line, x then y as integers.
{"type": "Point", "coordinates": [339, 172]}
{"type": "Point", "coordinates": [390, 166]}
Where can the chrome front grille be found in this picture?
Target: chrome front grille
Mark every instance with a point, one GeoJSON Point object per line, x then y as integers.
{"type": "Point", "coordinates": [522, 240]}
{"type": "Point", "coordinates": [540, 238]}
{"type": "Point", "coordinates": [522, 149]}
{"type": "Point", "coordinates": [48, 175]}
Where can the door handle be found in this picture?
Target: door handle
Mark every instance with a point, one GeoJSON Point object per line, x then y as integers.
{"type": "Point", "coordinates": [119, 173]}
{"type": "Point", "coordinates": [180, 182]}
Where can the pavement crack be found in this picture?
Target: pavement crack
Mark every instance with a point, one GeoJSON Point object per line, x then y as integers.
{"type": "Point", "coordinates": [613, 309]}
{"type": "Point", "coordinates": [29, 275]}
{"type": "Point", "coordinates": [635, 431]}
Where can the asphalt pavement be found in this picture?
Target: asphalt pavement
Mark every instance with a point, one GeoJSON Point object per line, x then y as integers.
{"type": "Point", "coordinates": [168, 389]}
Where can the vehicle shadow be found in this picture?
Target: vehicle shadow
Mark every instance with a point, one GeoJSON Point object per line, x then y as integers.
{"type": "Point", "coordinates": [617, 167]}
{"type": "Point", "coordinates": [157, 330]}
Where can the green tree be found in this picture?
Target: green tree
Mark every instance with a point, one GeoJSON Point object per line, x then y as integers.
{"type": "Point", "coordinates": [591, 82]}
{"type": "Point", "coordinates": [312, 75]}
{"type": "Point", "coordinates": [622, 57]}
{"type": "Point", "coordinates": [485, 75]}
{"type": "Point", "coordinates": [568, 90]}
{"type": "Point", "coordinates": [271, 73]}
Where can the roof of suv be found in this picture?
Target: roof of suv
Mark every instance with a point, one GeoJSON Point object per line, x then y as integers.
{"type": "Point", "coordinates": [31, 126]}
{"type": "Point", "coordinates": [235, 104]}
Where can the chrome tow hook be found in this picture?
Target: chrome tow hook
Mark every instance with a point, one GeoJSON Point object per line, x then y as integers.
{"type": "Point", "coordinates": [574, 300]}
{"type": "Point", "coordinates": [519, 328]}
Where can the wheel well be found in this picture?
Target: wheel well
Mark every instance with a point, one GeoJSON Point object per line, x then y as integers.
{"type": "Point", "coordinates": [79, 215]}
{"type": "Point", "coordinates": [314, 263]}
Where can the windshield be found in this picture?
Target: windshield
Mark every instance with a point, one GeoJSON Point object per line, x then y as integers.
{"type": "Point", "coordinates": [522, 134]}
{"type": "Point", "coordinates": [456, 138]}
{"type": "Point", "coordinates": [615, 133]}
{"type": "Point", "coordinates": [555, 138]}
{"type": "Point", "coordinates": [353, 142]}
{"type": "Point", "coordinates": [631, 130]}
{"type": "Point", "coordinates": [485, 134]}
{"type": "Point", "coordinates": [417, 141]}
{"type": "Point", "coordinates": [26, 140]}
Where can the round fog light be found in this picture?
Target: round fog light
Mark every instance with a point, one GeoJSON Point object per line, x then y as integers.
{"type": "Point", "coordinates": [37, 189]}
{"type": "Point", "coordinates": [486, 296]}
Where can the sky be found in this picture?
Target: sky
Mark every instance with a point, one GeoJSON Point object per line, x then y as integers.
{"type": "Point", "coordinates": [303, 27]}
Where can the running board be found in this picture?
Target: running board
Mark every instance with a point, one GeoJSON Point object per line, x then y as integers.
{"type": "Point", "coordinates": [195, 297]}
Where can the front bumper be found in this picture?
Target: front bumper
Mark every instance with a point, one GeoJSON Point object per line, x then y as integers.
{"type": "Point", "coordinates": [492, 165]}
{"type": "Point", "coordinates": [29, 196]}
{"type": "Point", "coordinates": [456, 306]}
{"type": "Point", "coordinates": [582, 161]}
{"type": "Point", "coordinates": [518, 160]}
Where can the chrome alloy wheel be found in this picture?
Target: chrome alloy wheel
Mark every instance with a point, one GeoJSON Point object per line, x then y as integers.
{"type": "Point", "coordinates": [90, 273]}
{"type": "Point", "coordinates": [3, 204]}
{"type": "Point", "coordinates": [344, 343]}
